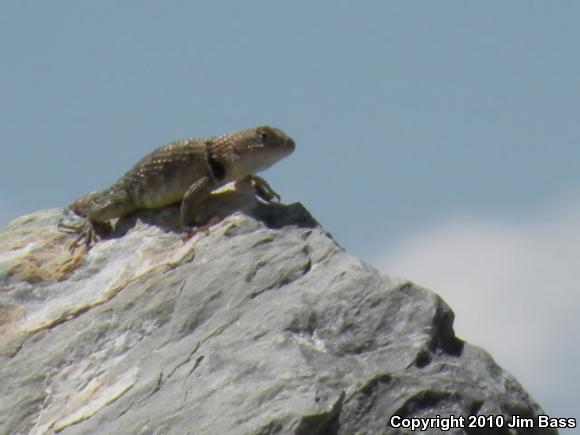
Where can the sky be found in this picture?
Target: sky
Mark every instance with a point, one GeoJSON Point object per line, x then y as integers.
{"type": "Point", "coordinates": [438, 141]}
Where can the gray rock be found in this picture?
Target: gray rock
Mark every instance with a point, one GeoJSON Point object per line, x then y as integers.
{"type": "Point", "coordinates": [263, 326]}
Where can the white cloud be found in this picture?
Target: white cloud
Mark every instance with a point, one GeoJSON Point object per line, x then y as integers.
{"type": "Point", "coordinates": [514, 288]}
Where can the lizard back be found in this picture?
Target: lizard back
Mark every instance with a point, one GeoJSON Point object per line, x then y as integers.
{"type": "Point", "coordinates": [163, 177]}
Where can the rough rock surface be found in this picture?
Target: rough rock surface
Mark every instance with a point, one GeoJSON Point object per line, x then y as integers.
{"type": "Point", "coordinates": [263, 326]}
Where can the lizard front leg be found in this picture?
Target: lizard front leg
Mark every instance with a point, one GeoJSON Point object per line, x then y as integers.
{"type": "Point", "coordinates": [197, 192]}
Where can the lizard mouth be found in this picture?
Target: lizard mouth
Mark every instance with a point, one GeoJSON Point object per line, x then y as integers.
{"type": "Point", "coordinates": [290, 144]}
{"type": "Point", "coordinates": [268, 156]}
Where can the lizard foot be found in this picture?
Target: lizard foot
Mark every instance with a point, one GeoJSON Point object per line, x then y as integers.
{"type": "Point", "coordinates": [190, 232]}
{"type": "Point", "coordinates": [86, 238]}
{"type": "Point", "coordinates": [263, 189]}
{"type": "Point", "coordinates": [86, 231]}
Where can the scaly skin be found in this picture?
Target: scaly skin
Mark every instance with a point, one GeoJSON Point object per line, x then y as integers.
{"type": "Point", "coordinates": [187, 171]}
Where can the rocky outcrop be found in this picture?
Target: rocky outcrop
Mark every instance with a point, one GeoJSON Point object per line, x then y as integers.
{"type": "Point", "coordinates": [264, 325]}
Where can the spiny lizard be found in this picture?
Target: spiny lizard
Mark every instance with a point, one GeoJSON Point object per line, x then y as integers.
{"type": "Point", "coordinates": [186, 170]}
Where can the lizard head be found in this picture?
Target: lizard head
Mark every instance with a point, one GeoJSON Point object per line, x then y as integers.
{"type": "Point", "coordinates": [274, 143]}
{"type": "Point", "coordinates": [256, 149]}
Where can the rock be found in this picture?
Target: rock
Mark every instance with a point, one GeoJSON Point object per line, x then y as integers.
{"type": "Point", "coordinates": [262, 326]}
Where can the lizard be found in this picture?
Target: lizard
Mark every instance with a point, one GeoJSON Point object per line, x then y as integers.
{"type": "Point", "coordinates": [185, 171]}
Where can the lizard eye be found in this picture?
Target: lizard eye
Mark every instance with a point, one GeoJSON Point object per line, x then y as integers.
{"type": "Point", "coordinates": [264, 136]}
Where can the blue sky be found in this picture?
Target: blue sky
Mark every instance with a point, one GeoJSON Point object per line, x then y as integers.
{"type": "Point", "coordinates": [416, 123]}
